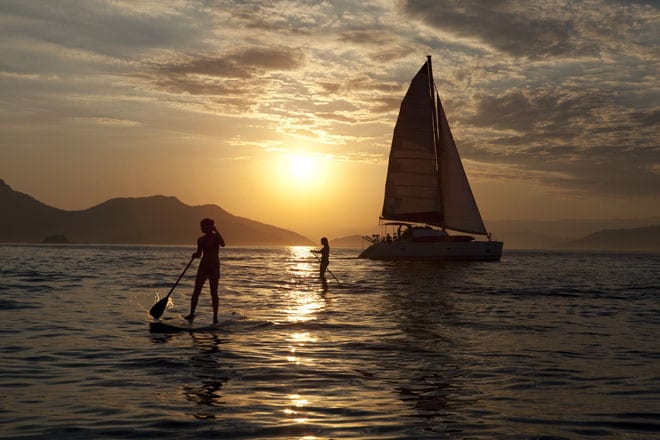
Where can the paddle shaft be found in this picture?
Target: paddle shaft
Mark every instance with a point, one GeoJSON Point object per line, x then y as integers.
{"type": "Point", "coordinates": [158, 308]}
{"type": "Point", "coordinates": [179, 279]}
{"type": "Point", "coordinates": [333, 275]}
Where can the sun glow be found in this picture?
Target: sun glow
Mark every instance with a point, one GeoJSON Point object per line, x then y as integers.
{"type": "Point", "coordinates": [302, 167]}
{"type": "Point", "coordinates": [301, 173]}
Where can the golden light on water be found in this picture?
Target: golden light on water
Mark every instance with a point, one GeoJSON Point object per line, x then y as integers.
{"type": "Point", "coordinates": [306, 308]}
{"type": "Point", "coordinates": [301, 257]}
{"type": "Point", "coordinates": [303, 337]}
{"type": "Point", "coordinates": [298, 402]}
{"type": "Point", "coordinates": [299, 340]}
{"type": "Point", "coordinates": [304, 303]}
{"type": "Point", "coordinates": [292, 357]}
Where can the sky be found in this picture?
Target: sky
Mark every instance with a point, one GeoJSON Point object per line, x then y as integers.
{"type": "Point", "coordinates": [283, 111]}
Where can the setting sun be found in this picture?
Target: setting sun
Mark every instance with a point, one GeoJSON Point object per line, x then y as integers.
{"type": "Point", "coordinates": [301, 167]}
{"type": "Point", "coordinates": [300, 172]}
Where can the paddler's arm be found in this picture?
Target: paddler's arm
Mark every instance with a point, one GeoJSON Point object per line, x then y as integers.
{"type": "Point", "coordinates": [222, 240]}
{"type": "Point", "coordinates": [199, 249]}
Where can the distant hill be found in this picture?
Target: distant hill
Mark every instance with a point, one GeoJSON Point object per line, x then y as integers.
{"type": "Point", "coordinates": [647, 238]}
{"type": "Point", "coordinates": [538, 234]}
{"type": "Point", "coordinates": [144, 220]}
{"type": "Point", "coordinates": [527, 239]}
{"type": "Point", "coordinates": [352, 241]}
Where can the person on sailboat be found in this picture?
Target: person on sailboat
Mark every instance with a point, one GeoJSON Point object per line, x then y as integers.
{"type": "Point", "coordinates": [325, 261]}
{"type": "Point", "coordinates": [208, 247]}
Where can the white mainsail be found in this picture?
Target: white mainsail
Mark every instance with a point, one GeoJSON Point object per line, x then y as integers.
{"type": "Point", "coordinates": [426, 182]}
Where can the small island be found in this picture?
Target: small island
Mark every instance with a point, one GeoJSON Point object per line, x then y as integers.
{"type": "Point", "coordinates": [56, 239]}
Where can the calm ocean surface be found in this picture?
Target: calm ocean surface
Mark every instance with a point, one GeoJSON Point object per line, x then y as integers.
{"type": "Point", "coordinates": [538, 345]}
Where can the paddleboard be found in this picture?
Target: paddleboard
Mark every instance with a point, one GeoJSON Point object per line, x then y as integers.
{"type": "Point", "coordinates": [181, 326]}
{"type": "Point", "coordinates": [163, 327]}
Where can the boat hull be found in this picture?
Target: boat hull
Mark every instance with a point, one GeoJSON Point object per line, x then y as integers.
{"type": "Point", "coordinates": [441, 251]}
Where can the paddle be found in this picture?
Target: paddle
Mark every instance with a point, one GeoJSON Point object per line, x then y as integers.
{"type": "Point", "coordinates": [333, 275]}
{"type": "Point", "coordinates": [158, 308]}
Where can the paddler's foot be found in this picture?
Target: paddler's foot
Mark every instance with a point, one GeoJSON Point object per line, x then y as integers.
{"type": "Point", "coordinates": [215, 321]}
{"type": "Point", "coordinates": [189, 317]}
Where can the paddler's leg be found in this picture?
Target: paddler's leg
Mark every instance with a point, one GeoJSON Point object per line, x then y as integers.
{"type": "Point", "coordinates": [324, 281]}
{"type": "Point", "coordinates": [199, 283]}
{"type": "Point", "coordinates": [214, 277]}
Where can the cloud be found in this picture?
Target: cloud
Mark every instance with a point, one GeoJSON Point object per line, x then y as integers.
{"type": "Point", "coordinates": [242, 64]}
{"type": "Point", "coordinates": [647, 118]}
{"type": "Point", "coordinates": [595, 142]}
{"type": "Point", "coordinates": [512, 27]}
{"type": "Point", "coordinates": [118, 122]}
{"type": "Point", "coordinates": [367, 37]}
{"type": "Point", "coordinates": [232, 78]}
{"type": "Point", "coordinates": [566, 114]}
{"type": "Point", "coordinates": [112, 28]}
{"type": "Point", "coordinates": [526, 29]}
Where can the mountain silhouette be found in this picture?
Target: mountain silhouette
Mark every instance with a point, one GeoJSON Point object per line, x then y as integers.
{"type": "Point", "coordinates": [552, 234]}
{"type": "Point", "coordinates": [646, 238]}
{"type": "Point", "coordinates": [142, 220]}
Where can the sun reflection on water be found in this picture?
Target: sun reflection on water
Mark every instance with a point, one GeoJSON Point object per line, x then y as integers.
{"type": "Point", "coordinates": [298, 340]}
{"type": "Point", "coordinates": [302, 304]}
{"type": "Point", "coordinates": [297, 402]}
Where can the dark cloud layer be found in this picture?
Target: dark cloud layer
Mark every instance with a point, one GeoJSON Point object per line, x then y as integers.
{"type": "Point", "coordinates": [95, 26]}
{"type": "Point", "coordinates": [233, 77]}
{"type": "Point", "coordinates": [244, 63]}
{"type": "Point", "coordinates": [520, 28]}
{"type": "Point", "coordinates": [595, 142]}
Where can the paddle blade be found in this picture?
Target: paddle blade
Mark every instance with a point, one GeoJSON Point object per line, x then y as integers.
{"type": "Point", "coordinates": [159, 308]}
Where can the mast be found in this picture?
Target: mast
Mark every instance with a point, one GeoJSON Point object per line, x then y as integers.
{"type": "Point", "coordinates": [436, 136]}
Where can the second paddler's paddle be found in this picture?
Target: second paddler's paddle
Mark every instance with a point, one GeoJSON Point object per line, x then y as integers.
{"type": "Point", "coordinates": [158, 308]}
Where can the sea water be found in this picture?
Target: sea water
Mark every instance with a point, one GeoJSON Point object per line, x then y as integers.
{"type": "Point", "coordinates": [538, 345]}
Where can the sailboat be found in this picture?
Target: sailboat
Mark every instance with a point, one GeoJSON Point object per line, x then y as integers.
{"type": "Point", "coordinates": [426, 190]}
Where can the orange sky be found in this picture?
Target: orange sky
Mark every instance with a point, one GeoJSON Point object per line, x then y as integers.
{"type": "Point", "coordinates": [283, 111]}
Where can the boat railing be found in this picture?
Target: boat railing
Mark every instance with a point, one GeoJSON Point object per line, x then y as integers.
{"type": "Point", "coordinates": [374, 238]}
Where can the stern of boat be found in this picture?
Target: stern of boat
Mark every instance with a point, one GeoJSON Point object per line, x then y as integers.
{"type": "Point", "coordinates": [435, 251]}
